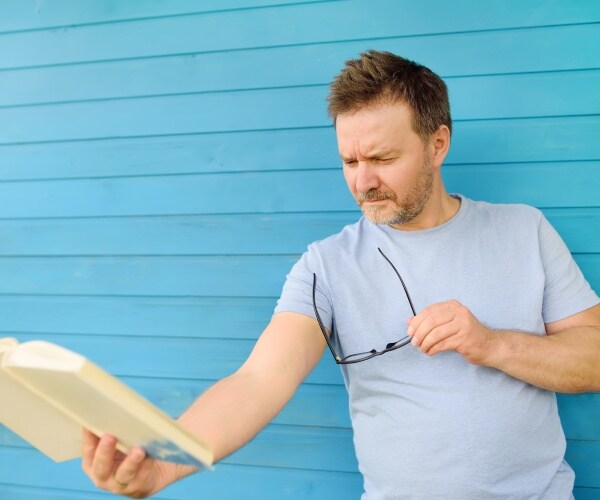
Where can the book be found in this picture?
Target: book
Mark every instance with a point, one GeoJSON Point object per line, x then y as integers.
{"type": "Point", "coordinates": [49, 393]}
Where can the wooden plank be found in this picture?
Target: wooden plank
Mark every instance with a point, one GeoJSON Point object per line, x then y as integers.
{"type": "Point", "coordinates": [590, 269]}
{"type": "Point", "coordinates": [202, 153]}
{"type": "Point", "coordinates": [220, 276]}
{"type": "Point", "coordinates": [12, 492]}
{"type": "Point", "coordinates": [223, 234]}
{"type": "Point", "coordinates": [280, 26]}
{"type": "Point", "coordinates": [553, 185]}
{"type": "Point", "coordinates": [256, 276]}
{"type": "Point", "coordinates": [580, 414]}
{"type": "Point", "coordinates": [523, 95]}
{"type": "Point", "coordinates": [201, 113]}
{"type": "Point", "coordinates": [570, 224]}
{"type": "Point", "coordinates": [515, 96]}
{"type": "Point", "coordinates": [259, 483]}
{"type": "Point", "coordinates": [523, 140]}
{"type": "Point", "coordinates": [174, 195]}
{"type": "Point", "coordinates": [584, 457]}
{"type": "Point", "coordinates": [227, 482]}
{"type": "Point", "coordinates": [479, 142]}
{"type": "Point", "coordinates": [586, 493]}
{"type": "Point", "coordinates": [191, 317]}
{"type": "Point", "coordinates": [204, 317]}
{"type": "Point", "coordinates": [36, 15]}
{"type": "Point", "coordinates": [175, 235]}
{"type": "Point", "coordinates": [530, 50]}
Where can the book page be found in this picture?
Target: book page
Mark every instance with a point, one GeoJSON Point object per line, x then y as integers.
{"type": "Point", "coordinates": [34, 419]}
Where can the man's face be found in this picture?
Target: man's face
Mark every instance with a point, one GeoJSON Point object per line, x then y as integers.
{"type": "Point", "coordinates": [387, 167]}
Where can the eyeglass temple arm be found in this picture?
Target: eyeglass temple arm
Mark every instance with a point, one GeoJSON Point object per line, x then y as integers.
{"type": "Point", "coordinates": [323, 329]}
{"type": "Point", "coordinates": [401, 281]}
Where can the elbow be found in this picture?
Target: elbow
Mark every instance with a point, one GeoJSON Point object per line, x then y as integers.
{"type": "Point", "coordinates": [581, 383]}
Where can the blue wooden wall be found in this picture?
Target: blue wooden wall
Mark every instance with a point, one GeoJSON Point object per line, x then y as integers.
{"type": "Point", "coordinates": [163, 164]}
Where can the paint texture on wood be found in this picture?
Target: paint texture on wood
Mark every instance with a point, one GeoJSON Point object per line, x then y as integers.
{"type": "Point", "coordinates": [163, 164]}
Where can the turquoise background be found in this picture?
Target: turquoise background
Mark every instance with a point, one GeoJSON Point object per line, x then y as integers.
{"type": "Point", "coordinates": [163, 164]}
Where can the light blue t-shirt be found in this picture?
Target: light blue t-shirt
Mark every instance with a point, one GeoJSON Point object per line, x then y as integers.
{"type": "Point", "coordinates": [440, 427]}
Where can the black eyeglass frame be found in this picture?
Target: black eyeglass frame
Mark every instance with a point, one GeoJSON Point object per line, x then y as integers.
{"type": "Point", "coordinates": [392, 346]}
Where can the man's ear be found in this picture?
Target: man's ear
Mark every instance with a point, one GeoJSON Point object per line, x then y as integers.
{"type": "Point", "coordinates": [440, 144]}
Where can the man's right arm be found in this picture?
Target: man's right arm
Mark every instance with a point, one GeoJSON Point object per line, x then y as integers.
{"type": "Point", "coordinates": [226, 416]}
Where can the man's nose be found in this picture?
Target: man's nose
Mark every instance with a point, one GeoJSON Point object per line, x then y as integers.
{"type": "Point", "coordinates": [366, 178]}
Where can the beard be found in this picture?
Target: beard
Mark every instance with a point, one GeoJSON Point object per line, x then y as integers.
{"type": "Point", "coordinates": [404, 210]}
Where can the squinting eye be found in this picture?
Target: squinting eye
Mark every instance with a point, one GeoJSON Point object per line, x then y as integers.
{"type": "Point", "coordinates": [349, 163]}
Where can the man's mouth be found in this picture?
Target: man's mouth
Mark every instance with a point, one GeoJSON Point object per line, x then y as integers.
{"type": "Point", "coordinates": [374, 197]}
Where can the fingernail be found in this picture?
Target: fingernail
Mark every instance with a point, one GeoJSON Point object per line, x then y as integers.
{"type": "Point", "coordinates": [107, 441]}
{"type": "Point", "coordinates": [411, 331]}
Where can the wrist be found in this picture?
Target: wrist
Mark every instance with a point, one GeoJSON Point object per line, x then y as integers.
{"type": "Point", "coordinates": [500, 348]}
{"type": "Point", "coordinates": [182, 471]}
{"type": "Point", "coordinates": [168, 473]}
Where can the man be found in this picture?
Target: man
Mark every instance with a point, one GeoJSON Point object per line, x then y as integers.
{"type": "Point", "coordinates": [502, 318]}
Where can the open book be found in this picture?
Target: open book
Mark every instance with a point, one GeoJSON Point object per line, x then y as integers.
{"type": "Point", "coordinates": [49, 393]}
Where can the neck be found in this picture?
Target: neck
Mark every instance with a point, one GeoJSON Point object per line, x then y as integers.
{"type": "Point", "coordinates": [440, 208]}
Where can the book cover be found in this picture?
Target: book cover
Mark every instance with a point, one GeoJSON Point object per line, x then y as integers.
{"type": "Point", "coordinates": [54, 392]}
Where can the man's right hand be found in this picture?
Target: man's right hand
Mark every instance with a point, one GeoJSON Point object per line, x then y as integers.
{"type": "Point", "coordinates": [134, 475]}
{"type": "Point", "coordinates": [226, 416]}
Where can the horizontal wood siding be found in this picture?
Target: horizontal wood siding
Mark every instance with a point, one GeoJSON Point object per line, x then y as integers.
{"type": "Point", "coordinates": [163, 164]}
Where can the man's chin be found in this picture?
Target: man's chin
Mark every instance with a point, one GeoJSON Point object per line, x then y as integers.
{"type": "Point", "coordinates": [385, 217]}
{"type": "Point", "coordinates": [377, 216]}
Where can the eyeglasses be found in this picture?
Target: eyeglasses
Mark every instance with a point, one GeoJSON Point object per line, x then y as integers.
{"type": "Point", "coordinates": [362, 356]}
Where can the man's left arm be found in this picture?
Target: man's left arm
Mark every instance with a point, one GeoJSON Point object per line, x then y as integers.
{"type": "Point", "coordinates": [566, 359]}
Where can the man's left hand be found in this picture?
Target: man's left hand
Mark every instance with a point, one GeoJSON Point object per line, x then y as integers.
{"type": "Point", "coordinates": [450, 326]}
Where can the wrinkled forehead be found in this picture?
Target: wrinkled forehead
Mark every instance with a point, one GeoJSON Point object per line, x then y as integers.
{"type": "Point", "coordinates": [374, 127]}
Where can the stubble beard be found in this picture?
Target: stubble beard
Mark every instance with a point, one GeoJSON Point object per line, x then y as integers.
{"type": "Point", "coordinates": [408, 208]}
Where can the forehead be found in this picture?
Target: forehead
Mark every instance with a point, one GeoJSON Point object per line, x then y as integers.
{"type": "Point", "coordinates": [372, 127]}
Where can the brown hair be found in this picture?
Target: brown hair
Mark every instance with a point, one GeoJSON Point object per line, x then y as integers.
{"type": "Point", "coordinates": [382, 77]}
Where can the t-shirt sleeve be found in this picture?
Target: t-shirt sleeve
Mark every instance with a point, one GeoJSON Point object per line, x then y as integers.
{"type": "Point", "coordinates": [296, 295]}
{"type": "Point", "coordinates": [566, 291]}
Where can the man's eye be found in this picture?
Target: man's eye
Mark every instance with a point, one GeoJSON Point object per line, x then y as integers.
{"type": "Point", "coordinates": [349, 163]}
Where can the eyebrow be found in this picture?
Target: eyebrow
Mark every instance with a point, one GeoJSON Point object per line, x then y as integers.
{"type": "Point", "coordinates": [377, 155]}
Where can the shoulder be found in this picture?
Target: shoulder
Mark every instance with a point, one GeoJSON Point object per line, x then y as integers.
{"type": "Point", "coordinates": [505, 210]}
{"type": "Point", "coordinates": [507, 216]}
{"type": "Point", "coordinates": [340, 248]}
{"type": "Point", "coordinates": [349, 236]}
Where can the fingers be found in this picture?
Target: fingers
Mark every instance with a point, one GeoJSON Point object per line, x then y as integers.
{"type": "Point", "coordinates": [431, 325]}
{"type": "Point", "coordinates": [129, 468]}
{"type": "Point", "coordinates": [430, 344]}
{"type": "Point", "coordinates": [133, 475]}
{"type": "Point", "coordinates": [104, 459]}
{"type": "Point", "coordinates": [89, 443]}
{"type": "Point", "coordinates": [450, 326]}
